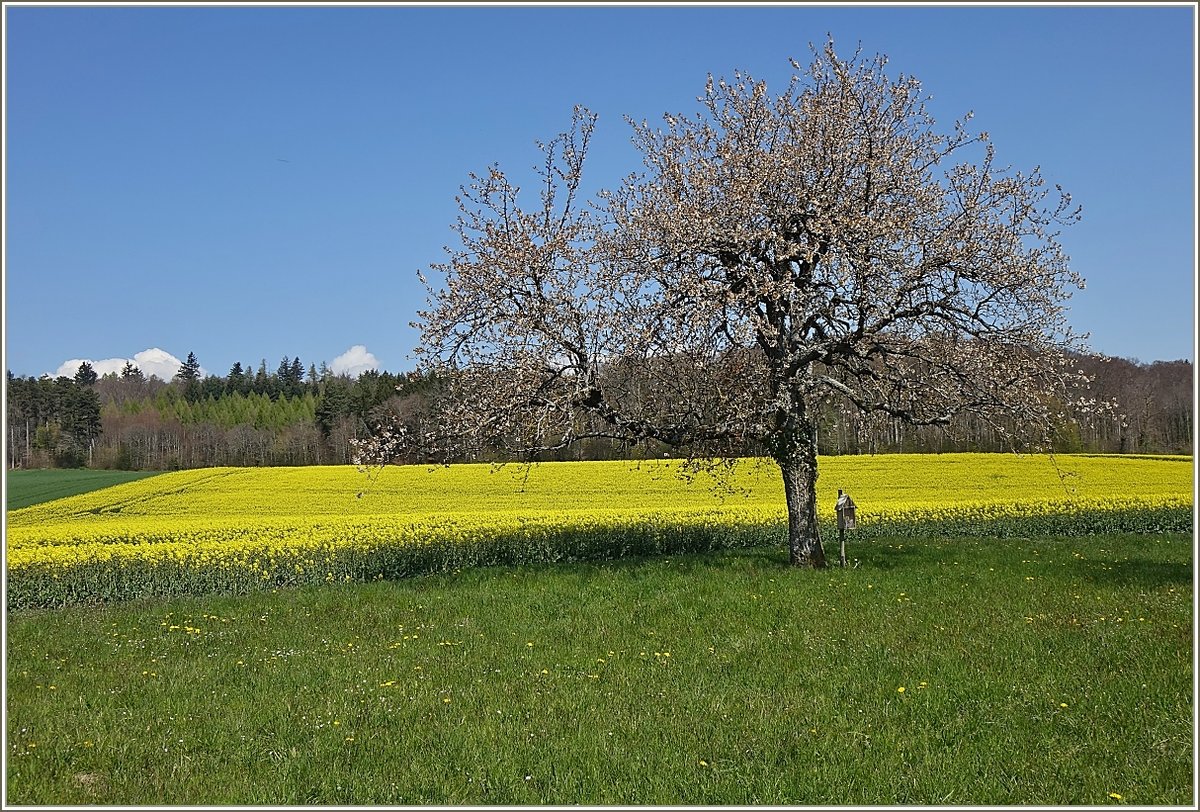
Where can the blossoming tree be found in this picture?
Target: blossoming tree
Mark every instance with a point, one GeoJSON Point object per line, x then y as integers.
{"type": "Point", "coordinates": [829, 242]}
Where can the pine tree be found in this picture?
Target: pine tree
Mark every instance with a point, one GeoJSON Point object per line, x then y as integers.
{"type": "Point", "coordinates": [333, 404]}
{"type": "Point", "coordinates": [86, 376]}
{"type": "Point", "coordinates": [213, 387]}
{"type": "Point", "coordinates": [297, 375]}
{"type": "Point", "coordinates": [190, 369]}
{"type": "Point", "coordinates": [287, 377]}
{"type": "Point", "coordinates": [189, 377]}
{"type": "Point", "coordinates": [236, 380]}
{"type": "Point", "coordinates": [262, 380]}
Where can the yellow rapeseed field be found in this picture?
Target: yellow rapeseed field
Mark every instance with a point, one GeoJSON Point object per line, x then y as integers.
{"type": "Point", "coordinates": [237, 529]}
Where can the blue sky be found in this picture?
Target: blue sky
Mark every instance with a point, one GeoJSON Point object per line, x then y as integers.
{"type": "Point", "coordinates": [247, 183]}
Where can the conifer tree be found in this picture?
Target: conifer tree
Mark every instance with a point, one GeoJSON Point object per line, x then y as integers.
{"type": "Point", "coordinates": [190, 369]}
{"type": "Point", "coordinates": [189, 377]}
{"type": "Point", "coordinates": [86, 375]}
{"type": "Point", "coordinates": [236, 381]}
{"type": "Point", "coordinates": [262, 380]}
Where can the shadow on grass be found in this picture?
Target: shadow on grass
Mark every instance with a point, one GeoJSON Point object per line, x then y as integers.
{"type": "Point", "coordinates": [1140, 573]}
{"type": "Point", "coordinates": [888, 555]}
{"type": "Point", "coordinates": [874, 554]}
{"type": "Point", "coordinates": [871, 554]}
{"type": "Point", "coordinates": [766, 557]}
{"type": "Point", "coordinates": [739, 559]}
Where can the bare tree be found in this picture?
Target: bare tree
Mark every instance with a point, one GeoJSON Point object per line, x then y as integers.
{"type": "Point", "coordinates": [777, 251]}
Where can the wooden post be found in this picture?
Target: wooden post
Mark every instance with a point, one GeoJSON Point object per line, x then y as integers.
{"type": "Point", "coordinates": [845, 520]}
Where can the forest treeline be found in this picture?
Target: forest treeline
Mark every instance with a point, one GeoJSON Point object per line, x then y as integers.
{"type": "Point", "coordinates": [293, 415]}
{"type": "Point", "coordinates": [286, 416]}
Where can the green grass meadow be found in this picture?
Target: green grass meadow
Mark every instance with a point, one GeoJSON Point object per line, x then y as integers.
{"type": "Point", "coordinates": [944, 671]}
{"type": "Point", "coordinates": [25, 488]}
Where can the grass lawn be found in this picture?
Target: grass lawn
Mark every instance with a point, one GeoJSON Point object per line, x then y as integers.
{"type": "Point", "coordinates": [25, 488]}
{"type": "Point", "coordinates": [943, 671]}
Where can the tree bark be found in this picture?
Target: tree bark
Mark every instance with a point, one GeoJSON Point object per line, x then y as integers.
{"type": "Point", "coordinates": [800, 490]}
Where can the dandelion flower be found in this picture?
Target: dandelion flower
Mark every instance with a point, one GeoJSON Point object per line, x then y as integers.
{"type": "Point", "coordinates": [900, 690]}
{"type": "Point", "coordinates": [1116, 796]}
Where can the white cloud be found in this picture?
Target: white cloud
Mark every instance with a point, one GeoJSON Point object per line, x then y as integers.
{"type": "Point", "coordinates": [69, 368]}
{"type": "Point", "coordinates": [151, 362]}
{"type": "Point", "coordinates": [354, 362]}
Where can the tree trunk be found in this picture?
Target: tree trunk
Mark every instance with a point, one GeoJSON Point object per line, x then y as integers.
{"type": "Point", "coordinates": [800, 490]}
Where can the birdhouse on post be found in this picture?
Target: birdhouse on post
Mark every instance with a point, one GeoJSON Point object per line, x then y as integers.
{"type": "Point", "coordinates": [845, 511]}
{"type": "Point", "coordinates": [845, 521]}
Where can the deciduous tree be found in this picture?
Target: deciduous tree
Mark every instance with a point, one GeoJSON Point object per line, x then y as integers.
{"type": "Point", "coordinates": [829, 242]}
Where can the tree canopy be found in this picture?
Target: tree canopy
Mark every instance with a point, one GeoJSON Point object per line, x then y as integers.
{"type": "Point", "coordinates": [776, 252]}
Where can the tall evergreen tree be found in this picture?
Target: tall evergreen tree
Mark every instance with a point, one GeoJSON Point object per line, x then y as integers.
{"type": "Point", "coordinates": [86, 375]}
{"type": "Point", "coordinates": [296, 378]}
{"type": "Point", "coordinates": [262, 380]}
{"type": "Point", "coordinates": [189, 377]}
{"type": "Point", "coordinates": [190, 369]}
{"type": "Point", "coordinates": [333, 404]}
{"type": "Point", "coordinates": [213, 387]}
{"type": "Point", "coordinates": [236, 380]}
{"type": "Point", "coordinates": [287, 384]}
{"type": "Point", "coordinates": [81, 414]}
